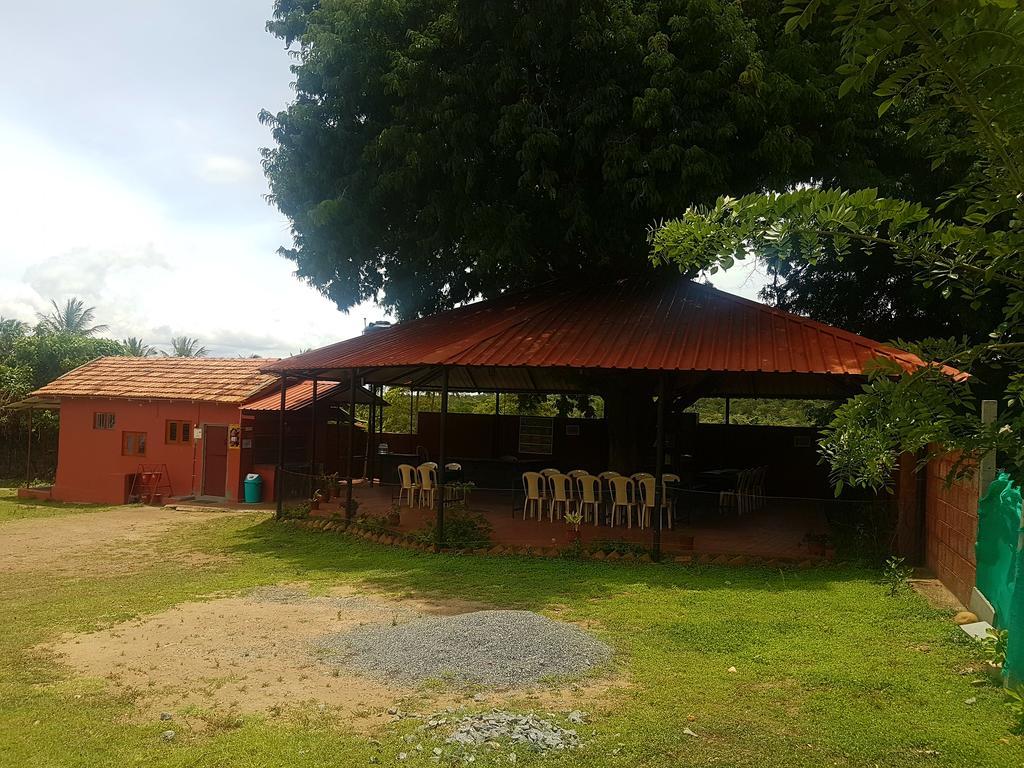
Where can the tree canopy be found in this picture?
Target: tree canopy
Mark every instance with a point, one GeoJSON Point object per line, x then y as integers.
{"type": "Point", "coordinates": [70, 317]}
{"type": "Point", "coordinates": [960, 62]}
{"type": "Point", "coordinates": [439, 150]}
{"type": "Point", "coordinates": [187, 346]}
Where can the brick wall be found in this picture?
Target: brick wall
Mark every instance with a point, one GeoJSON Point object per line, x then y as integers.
{"type": "Point", "coordinates": [951, 527]}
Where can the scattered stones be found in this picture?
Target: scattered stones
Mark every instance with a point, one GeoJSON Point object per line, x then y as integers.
{"type": "Point", "coordinates": [167, 735]}
{"type": "Point", "coordinates": [965, 617]}
{"type": "Point", "coordinates": [498, 727]}
{"type": "Point", "coordinates": [732, 669]}
{"type": "Point", "coordinates": [166, 716]}
{"type": "Point", "coordinates": [688, 732]}
{"type": "Point", "coordinates": [508, 648]}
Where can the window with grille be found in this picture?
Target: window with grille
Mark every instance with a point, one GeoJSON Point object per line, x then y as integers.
{"type": "Point", "coordinates": [178, 432]}
{"type": "Point", "coordinates": [133, 443]}
{"type": "Point", "coordinates": [103, 421]}
{"type": "Point", "coordinates": [536, 435]}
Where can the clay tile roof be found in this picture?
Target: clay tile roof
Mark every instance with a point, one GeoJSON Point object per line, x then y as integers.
{"type": "Point", "coordinates": [198, 379]}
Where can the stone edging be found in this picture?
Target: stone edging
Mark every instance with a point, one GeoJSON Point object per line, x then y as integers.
{"type": "Point", "coordinates": [405, 541]}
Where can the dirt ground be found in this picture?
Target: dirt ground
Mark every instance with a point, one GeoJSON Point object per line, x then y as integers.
{"type": "Point", "coordinates": [257, 653]}
{"type": "Point", "coordinates": [70, 544]}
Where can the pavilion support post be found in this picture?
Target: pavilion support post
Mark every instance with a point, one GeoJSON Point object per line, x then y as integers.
{"type": "Point", "coordinates": [728, 403]}
{"type": "Point", "coordinates": [28, 453]}
{"type": "Point", "coordinates": [351, 439]}
{"type": "Point", "coordinates": [312, 442]}
{"type": "Point", "coordinates": [442, 458]}
{"type": "Point", "coordinates": [371, 439]}
{"type": "Point", "coordinates": [279, 475]}
{"type": "Point", "coordinates": [659, 469]}
{"type": "Point", "coordinates": [496, 442]}
{"type": "Point", "coordinates": [412, 394]}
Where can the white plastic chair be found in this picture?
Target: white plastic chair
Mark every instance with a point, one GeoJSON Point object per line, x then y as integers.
{"type": "Point", "coordinates": [428, 484]}
{"type": "Point", "coordinates": [604, 490]}
{"type": "Point", "coordinates": [647, 501]}
{"type": "Point", "coordinates": [532, 484]}
{"type": "Point", "coordinates": [623, 492]}
{"type": "Point", "coordinates": [560, 495]}
{"type": "Point", "coordinates": [408, 476]}
{"type": "Point", "coordinates": [588, 490]}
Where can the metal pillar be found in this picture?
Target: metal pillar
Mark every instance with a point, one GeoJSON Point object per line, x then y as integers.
{"type": "Point", "coordinates": [442, 457]}
{"type": "Point", "coordinates": [312, 442]}
{"type": "Point", "coordinates": [371, 440]}
{"type": "Point", "coordinates": [279, 479]}
{"type": "Point", "coordinates": [411, 395]}
{"type": "Point", "coordinates": [351, 439]}
{"type": "Point", "coordinates": [28, 455]}
{"type": "Point", "coordinates": [727, 407]}
{"type": "Point", "coordinates": [659, 468]}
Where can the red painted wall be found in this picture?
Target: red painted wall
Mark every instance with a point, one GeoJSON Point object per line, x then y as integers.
{"type": "Point", "coordinates": [90, 467]}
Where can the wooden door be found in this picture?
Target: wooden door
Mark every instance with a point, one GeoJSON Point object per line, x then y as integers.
{"type": "Point", "coordinates": [215, 460]}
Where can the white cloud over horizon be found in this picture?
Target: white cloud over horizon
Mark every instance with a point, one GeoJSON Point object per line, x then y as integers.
{"type": "Point", "coordinates": [132, 177]}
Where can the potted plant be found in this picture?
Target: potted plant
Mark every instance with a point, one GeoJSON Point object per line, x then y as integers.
{"type": "Point", "coordinates": [574, 519]}
{"type": "Point", "coordinates": [314, 503]}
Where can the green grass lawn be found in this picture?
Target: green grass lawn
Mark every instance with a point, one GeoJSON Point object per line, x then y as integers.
{"type": "Point", "coordinates": [13, 508]}
{"type": "Point", "coordinates": [830, 671]}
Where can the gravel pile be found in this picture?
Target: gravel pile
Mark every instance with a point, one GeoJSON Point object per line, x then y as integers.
{"type": "Point", "coordinates": [509, 728]}
{"type": "Point", "coordinates": [501, 648]}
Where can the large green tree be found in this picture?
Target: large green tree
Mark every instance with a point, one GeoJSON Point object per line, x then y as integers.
{"type": "Point", "coordinates": [961, 62]}
{"type": "Point", "coordinates": [439, 150]}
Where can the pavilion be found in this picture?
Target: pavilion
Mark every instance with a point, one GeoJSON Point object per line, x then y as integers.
{"type": "Point", "coordinates": [659, 340]}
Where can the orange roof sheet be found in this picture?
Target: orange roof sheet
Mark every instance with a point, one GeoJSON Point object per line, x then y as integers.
{"type": "Point", "coordinates": [298, 396]}
{"type": "Point", "coordinates": [195, 379]}
{"type": "Point", "coordinates": [654, 323]}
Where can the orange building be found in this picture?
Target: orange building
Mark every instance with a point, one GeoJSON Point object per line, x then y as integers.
{"type": "Point", "coordinates": [182, 427]}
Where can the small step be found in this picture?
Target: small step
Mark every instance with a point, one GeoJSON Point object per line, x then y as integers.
{"type": "Point", "coordinates": [977, 629]}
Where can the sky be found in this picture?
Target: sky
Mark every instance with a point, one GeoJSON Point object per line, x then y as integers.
{"type": "Point", "coordinates": [131, 175]}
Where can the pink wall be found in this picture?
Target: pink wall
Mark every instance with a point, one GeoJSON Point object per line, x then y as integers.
{"type": "Point", "coordinates": [90, 467]}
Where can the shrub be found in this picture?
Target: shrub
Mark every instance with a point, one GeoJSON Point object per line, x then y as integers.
{"type": "Point", "coordinates": [895, 574]}
{"type": "Point", "coordinates": [463, 529]}
{"type": "Point", "coordinates": [296, 512]}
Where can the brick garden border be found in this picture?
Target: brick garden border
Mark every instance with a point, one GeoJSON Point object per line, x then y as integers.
{"type": "Point", "coordinates": [407, 541]}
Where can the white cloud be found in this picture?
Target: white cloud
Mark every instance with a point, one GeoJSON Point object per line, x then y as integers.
{"type": "Point", "coordinates": [224, 169]}
{"type": "Point", "coordinates": [74, 230]}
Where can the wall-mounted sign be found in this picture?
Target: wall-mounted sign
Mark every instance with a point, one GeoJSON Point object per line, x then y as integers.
{"type": "Point", "coordinates": [197, 433]}
{"type": "Point", "coordinates": [234, 436]}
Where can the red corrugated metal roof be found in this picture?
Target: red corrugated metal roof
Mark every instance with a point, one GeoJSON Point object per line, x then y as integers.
{"type": "Point", "coordinates": [649, 324]}
{"type": "Point", "coordinates": [298, 396]}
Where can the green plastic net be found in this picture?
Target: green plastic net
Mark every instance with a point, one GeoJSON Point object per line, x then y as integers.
{"type": "Point", "coordinates": [1000, 574]}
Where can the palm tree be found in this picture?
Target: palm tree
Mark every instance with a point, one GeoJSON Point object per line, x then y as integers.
{"type": "Point", "coordinates": [137, 347]}
{"type": "Point", "coordinates": [186, 346]}
{"type": "Point", "coordinates": [74, 318]}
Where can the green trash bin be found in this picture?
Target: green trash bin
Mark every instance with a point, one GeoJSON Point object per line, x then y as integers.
{"type": "Point", "coordinates": [253, 489]}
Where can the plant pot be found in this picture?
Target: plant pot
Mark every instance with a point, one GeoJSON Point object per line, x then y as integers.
{"type": "Point", "coordinates": [314, 504]}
